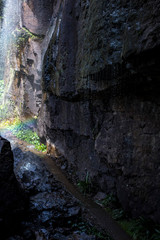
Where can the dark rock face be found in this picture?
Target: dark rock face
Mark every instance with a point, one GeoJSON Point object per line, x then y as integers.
{"type": "Point", "coordinates": [12, 199]}
{"type": "Point", "coordinates": [101, 98]}
{"type": "Point", "coordinates": [98, 103]}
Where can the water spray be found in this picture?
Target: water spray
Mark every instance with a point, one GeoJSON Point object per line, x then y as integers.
{"type": "Point", "coordinates": [11, 21]}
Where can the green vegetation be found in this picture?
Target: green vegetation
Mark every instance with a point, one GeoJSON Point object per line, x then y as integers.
{"type": "Point", "coordinates": [109, 201]}
{"type": "Point", "coordinates": [138, 229]}
{"type": "Point", "coordinates": [8, 120]}
{"type": "Point", "coordinates": [85, 186]}
{"type": "Point", "coordinates": [82, 226]}
{"type": "Point", "coordinates": [32, 35]}
{"type": "Point", "coordinates": [27, 135]}
{"type": "Point", "coordinates": [21, 131]}
{"type": "Point", "coordinates": [21, 35]}
{"type": "Point", "coordinates": [99, 235]}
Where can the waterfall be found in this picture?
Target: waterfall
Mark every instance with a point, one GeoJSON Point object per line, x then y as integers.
{"type": "Point", "coordinates": [10, 21]}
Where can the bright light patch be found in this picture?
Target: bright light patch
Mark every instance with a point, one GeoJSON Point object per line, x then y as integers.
{"type": "Point", "coordinates": [27, 166]}
{"type": "Point", "coordinates": [23, 131]}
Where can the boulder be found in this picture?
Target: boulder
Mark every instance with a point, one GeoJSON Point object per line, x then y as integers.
{"type": "Point", "coordinates": [13, 200]}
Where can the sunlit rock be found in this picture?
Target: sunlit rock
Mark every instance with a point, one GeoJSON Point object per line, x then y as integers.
{"type": "Point", "coordinates": [36, 15]}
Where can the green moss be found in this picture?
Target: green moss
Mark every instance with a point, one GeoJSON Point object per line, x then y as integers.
{"type": "Point", "coordinates": [139, 229]}
{"type": "Point", "coordinates": [22, 35]}
{"type": "Point", "coordinates": [32, 35]}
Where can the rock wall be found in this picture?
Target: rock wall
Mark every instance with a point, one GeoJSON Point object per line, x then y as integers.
{"type": "Point", "coordinates": [99, 93]}
{"type": "Point", "coordinates": [27, 46]}
{"type": "Point", "coordinates": [100, 105]}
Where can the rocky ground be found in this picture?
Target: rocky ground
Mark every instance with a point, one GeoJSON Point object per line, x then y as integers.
{"type": "Point", "coordinates": [53, 212]}
{"type": "Point", "coordinates": [57, 210]}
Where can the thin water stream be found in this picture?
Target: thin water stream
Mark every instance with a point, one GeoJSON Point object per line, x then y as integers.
{"type": "Point", "coordinates": [11, 20]}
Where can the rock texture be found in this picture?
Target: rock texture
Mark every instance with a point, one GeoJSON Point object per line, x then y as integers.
{"type": "Point", "coordinates": [99, 101]}
{"type": "Point", "coordinates": [12, 199]}
{"type": "Point", "coordinates": [53, 212]}
{"type": "Point", "coordinates": [28, 40]}
{"type": "Point", "coordinates": [36, 16]}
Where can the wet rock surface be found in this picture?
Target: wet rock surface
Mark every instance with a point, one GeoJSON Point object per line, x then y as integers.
{"type": "Point", "coordinates": [53, 213]}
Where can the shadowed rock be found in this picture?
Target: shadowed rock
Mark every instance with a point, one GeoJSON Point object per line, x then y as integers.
{"type": "Point", "coordinates": [12, 199]}
{"type": "Point", "coordinates": [92, 78]}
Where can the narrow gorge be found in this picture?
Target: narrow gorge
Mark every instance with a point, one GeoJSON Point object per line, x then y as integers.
{"type": "Point", "coordinates": [87, 72]}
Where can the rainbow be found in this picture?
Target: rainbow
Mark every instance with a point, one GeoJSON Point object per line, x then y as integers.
{"type": "Point", "coordinates": [9, 126]}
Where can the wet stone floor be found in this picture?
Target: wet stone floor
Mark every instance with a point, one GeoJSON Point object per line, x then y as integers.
{"type": "Point", "coordinates": [53, 214]}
